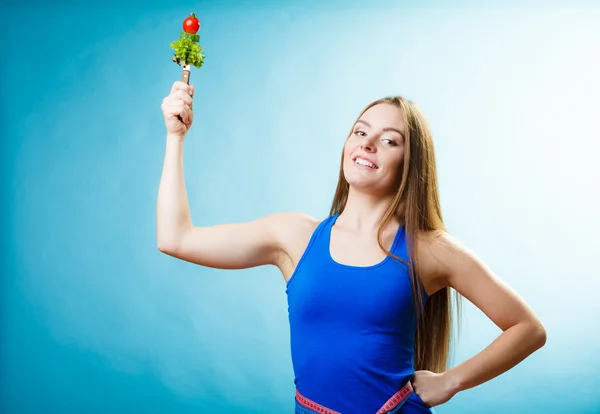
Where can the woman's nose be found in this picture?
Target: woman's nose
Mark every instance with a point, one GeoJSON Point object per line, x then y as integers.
{"type": "Point", "coordinates": [368, 145]}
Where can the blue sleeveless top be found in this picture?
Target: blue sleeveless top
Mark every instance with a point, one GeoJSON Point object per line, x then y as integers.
{"type": "Point", "coordinates": [351, 328]}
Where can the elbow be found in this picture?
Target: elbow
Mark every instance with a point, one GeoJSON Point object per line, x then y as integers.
{"type": "Point", "coordinates": [162, 247]}
{"type": "Point", "coordinates": [539, 335]}
{"type": "Point", "coordinates": [165, 247]}
{"type": "Point", "coordinates": [169, 239]}
{"type": "Point", "coordinates": [542, 336]}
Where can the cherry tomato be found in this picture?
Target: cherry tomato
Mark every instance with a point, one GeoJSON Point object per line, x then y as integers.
{"type": "Point", "coordinates": [191, 24]}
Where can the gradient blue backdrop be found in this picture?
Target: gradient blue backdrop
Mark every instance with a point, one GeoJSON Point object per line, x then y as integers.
{"type": "Point", "coordinates": [96, 319]}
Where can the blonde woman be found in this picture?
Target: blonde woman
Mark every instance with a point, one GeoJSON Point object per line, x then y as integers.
{"type": "Point", "coordinates": [368, 287]}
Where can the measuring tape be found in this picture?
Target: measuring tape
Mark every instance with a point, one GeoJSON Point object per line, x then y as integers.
{"type": "Point", "coordinates": [306, 406]}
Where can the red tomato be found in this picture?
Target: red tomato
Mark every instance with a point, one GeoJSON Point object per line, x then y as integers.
{"type": "Point", "coordinates": [191, 24]}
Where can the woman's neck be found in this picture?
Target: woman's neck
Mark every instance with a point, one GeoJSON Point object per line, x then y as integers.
{"type": "Point", "coordinates": [363, 212]}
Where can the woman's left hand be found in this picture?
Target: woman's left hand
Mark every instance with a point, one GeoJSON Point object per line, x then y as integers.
{"type": "Point", "coordinates": [434, 389]}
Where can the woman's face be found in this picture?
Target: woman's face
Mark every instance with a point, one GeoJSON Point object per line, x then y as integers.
{"type": "Point", "coordinates": [374, 152]}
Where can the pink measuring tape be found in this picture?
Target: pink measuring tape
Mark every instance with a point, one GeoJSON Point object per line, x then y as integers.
{"type": "Point", "coordinates": [396, 400]}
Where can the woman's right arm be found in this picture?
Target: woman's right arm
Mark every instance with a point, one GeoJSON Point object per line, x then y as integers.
{"type": "Point", "coordinates": [224, 246]}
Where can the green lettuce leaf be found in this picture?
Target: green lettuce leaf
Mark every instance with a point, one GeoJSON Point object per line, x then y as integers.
{"type": "Point", "coordinates": [187, 50]}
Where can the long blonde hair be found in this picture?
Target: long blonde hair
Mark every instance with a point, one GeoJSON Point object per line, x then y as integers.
{"type": "Point", "coordinates": [416, 206]}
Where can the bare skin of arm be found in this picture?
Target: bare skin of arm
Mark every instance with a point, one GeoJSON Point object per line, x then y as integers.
{"type": "Point", "coordinates": [277, 239]}
{"type": "Point", "coordinates": [448, 263]}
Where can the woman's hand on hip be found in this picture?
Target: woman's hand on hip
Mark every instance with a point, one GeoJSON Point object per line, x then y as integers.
{"type": "Point", "coordinates": [434, 389]}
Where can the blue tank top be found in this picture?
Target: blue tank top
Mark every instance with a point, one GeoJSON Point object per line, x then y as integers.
{"type": "Point", "coordinates": [351, 328]}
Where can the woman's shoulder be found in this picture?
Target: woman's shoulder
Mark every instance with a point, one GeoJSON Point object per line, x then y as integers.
{"type": "Point", "coordinates": [435, 250]}
{"type": "Point", "coordinates": [439, 243]}
{"type": "Point", "coordinates": [289, 226]}
{"type": "Point", "coordinates": [293, 231]}
{"type": "Point", "coordinates": [294, 219]}
{"type": "Point", "coordinates": [442, 256]}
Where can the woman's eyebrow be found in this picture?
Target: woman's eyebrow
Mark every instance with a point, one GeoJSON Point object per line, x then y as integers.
{"type": "Point", "coordinates": [384, 129]}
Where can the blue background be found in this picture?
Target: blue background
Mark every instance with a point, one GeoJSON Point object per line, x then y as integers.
{"type": "Point", "coordinates": [95, 318]}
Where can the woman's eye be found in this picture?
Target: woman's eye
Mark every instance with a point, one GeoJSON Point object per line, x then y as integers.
{"type": "Point", "coordinates": [390, 142]}
{"type": "Point", "coordinates": [359, 133]}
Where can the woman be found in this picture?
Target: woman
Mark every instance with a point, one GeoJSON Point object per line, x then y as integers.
{"type": "Point", "coordinates": [368, 287]}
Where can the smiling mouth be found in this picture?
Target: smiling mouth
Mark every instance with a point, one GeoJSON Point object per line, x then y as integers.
{"type": "Point", "coordinates": [365, 163]}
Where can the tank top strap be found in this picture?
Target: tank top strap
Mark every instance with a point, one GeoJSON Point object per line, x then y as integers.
{"type": "Point", "coordinates": [398, 246]}
{"type": "Point", "coordinates": [323, 231]}
{"type": "Point", "coordinates": [319, 240]}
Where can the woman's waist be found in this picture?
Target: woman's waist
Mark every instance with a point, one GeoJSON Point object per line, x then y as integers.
{"type": "Point", "coordinates": [365, 391]}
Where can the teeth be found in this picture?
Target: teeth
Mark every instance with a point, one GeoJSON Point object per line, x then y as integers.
{"type": "Point", "coordinates": [364, 162]}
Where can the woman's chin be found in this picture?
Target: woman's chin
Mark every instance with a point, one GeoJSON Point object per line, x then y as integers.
{"type": "Point", "coordinates": [364, 186]}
